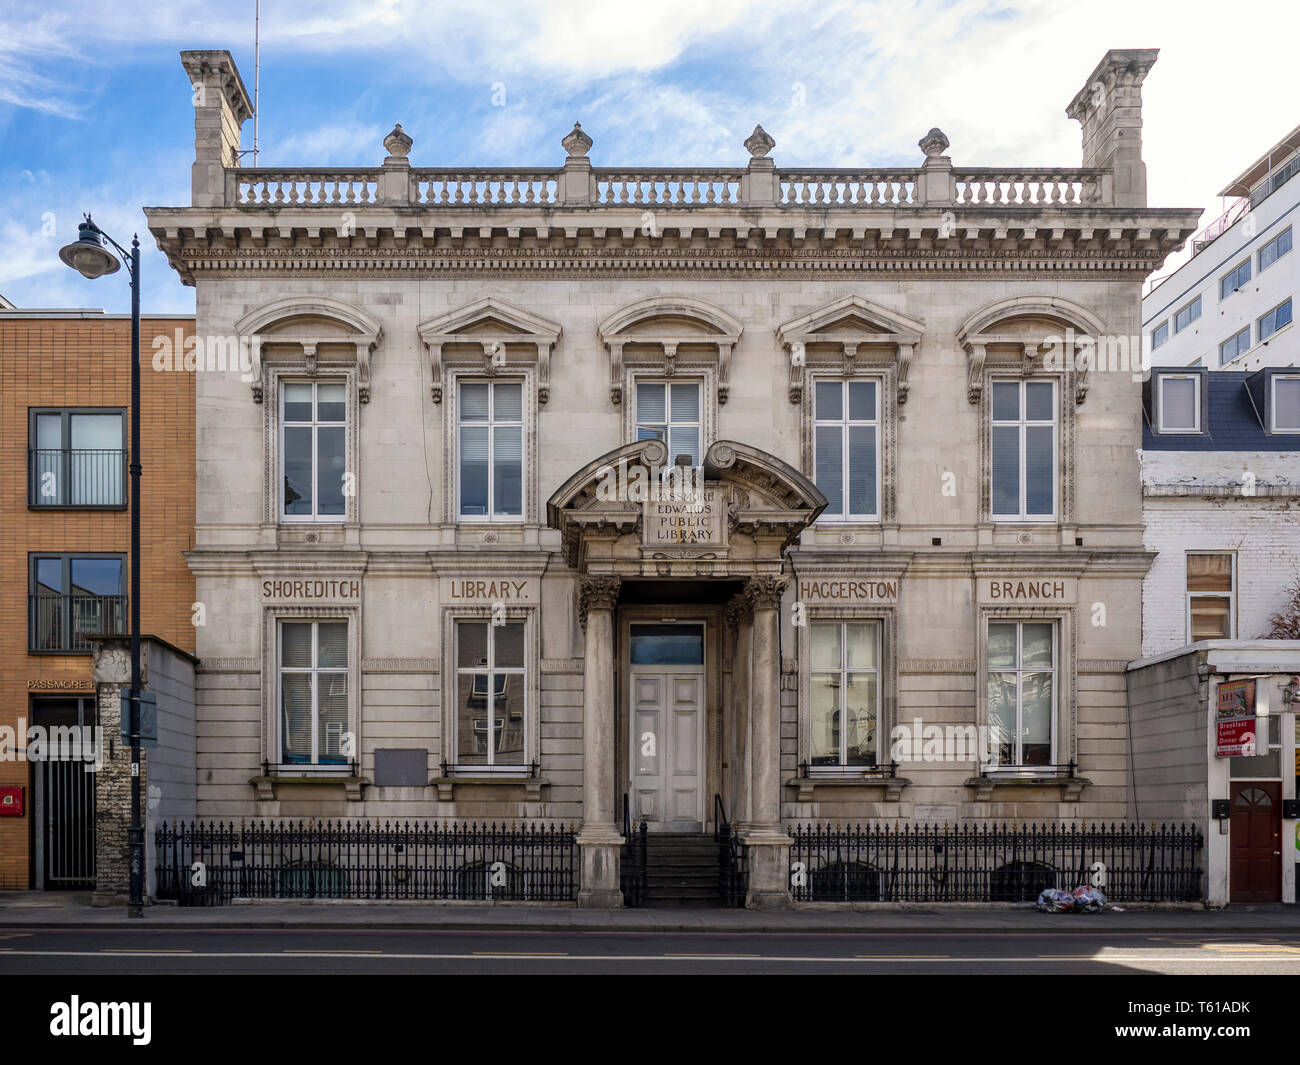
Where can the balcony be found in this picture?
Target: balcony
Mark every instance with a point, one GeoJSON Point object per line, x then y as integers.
{"type": "Point", "coordinates": [63, 624]}
{"type": "Point", "coordinates": [76, 478]}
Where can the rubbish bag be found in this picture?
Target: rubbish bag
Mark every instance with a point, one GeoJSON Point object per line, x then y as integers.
{"type": "Point", "coordinates": [1054, 900]}
{"type": "Point", "coordinates": [1088, 900]}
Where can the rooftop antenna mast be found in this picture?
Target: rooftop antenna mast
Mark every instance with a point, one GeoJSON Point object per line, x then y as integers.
{"type": "Point", "coordinates": [257, 71]}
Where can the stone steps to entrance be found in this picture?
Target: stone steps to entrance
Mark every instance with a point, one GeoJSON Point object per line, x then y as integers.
{"type": "Point", "coordinates": [682, 869]}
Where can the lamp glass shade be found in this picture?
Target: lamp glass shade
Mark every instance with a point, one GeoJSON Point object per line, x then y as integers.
{"type": "Point", "coordinates": [88, 256]}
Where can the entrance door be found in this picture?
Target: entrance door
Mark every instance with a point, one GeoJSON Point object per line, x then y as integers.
{"type": "Point", "coordinates": [667, 726]}
{"type": "Point", "coordinates": [1256, 858]}
{"type": "Point", "coordinates": [64, 793]}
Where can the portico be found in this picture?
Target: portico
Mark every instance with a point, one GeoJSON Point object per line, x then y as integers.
{"type": "Point", "coordinates": [679, 600]}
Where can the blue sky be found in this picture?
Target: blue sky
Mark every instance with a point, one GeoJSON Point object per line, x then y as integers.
{"type": "Point", "coordinates": [95, 109]}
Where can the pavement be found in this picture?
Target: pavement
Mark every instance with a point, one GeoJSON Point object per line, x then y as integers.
{"type": "Point", "coordinates": [36, 909]}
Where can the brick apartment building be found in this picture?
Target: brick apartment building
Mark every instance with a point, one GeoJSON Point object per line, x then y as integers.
{"type": "Point", "coordinates": [64, 547]}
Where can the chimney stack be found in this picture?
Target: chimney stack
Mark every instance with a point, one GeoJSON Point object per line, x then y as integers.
{"type": "Point", "coordinates": [221, 107]}
{"type": "Point", "coordinates": [1109, 107]}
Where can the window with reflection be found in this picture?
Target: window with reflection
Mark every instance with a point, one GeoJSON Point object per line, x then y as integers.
{"type": "Point", "coordinates": [490, 694]}
{"type": "Point", "coordinates": [491, 443]}
{"type": "Point", "coordinates": [845, 671]}
{"type": "Point", "coordinates": [846, 448]}
{"type": "Point", "coordinates": [314, 693]}
{"type": "Point", "coordinates": [1024, 450]}
{"type": "Point", "coordinates": [313, 450]}
{"type": "Point", "coordinates": [1021, 692]}
{"type": "Point", "coordinates": [670, 411]}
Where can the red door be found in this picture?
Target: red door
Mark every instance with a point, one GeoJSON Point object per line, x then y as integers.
{"type": "Point", "coordinates": [1256, 863]}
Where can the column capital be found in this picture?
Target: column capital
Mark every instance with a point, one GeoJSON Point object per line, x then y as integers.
{"type": "Point", "coordinates": [764, 593]}
{"type": "Point", "coordinates": [596, 593]}
{"type": "Point", "coordinates": [739, 611]}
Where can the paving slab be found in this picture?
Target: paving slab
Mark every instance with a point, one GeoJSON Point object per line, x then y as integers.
{"type": "Point", "coordinates": [31, 909]}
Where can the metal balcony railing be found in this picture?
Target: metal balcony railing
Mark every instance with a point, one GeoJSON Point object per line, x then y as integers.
{"type": "Point", "coordinates": [64, 623]}
{"type": "Point", "coordinates": [62, 477]}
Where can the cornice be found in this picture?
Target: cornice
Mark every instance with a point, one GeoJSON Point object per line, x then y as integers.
{"type": "Point", "coordinates": [1106, 244]}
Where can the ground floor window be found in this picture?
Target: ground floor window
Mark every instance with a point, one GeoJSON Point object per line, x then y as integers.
{"type": "Point", "coordinates": [845, 696]}
{"type": "Point", "coordinates": [490, 694]}
{"type": "Point", "coordinates": [314, 693]}
{"type": "Point", "coordinates": [1022, 664]}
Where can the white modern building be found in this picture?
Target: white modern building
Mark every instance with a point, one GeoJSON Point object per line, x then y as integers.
{"type": "Point", "coordinates": [1230, 306]}
{"type": "Point", "coordinates": [432, 589]}
{"type": "Point", "coordinates": [1221, 498]}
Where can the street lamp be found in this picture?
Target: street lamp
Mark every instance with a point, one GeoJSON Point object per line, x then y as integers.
{"type": "Point", "coordinates": [88, 256]}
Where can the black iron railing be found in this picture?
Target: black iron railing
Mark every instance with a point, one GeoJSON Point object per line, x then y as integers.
{"type": "Point", "coordinates": [632, 859]}
{"type": "Point", "coordinates": [76, 477]}
{"type": "Point", "coordinates": [733, 873]}
{"type": "Point", "coordinates": [996, 862]}
{"type": "Point", "coordinates": [209, 863]}
{"type": "Point", "coordinates": [65, 622]}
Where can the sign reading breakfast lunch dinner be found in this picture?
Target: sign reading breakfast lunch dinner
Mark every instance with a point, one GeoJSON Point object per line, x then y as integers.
{"type": "Point", "coordinates": [701, 522]}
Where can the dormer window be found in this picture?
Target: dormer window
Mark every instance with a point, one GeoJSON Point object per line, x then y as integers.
{"type": "Point", "coordinates": [1285, 406]}
{"type": "Point", "coordinates": [1179, 403]}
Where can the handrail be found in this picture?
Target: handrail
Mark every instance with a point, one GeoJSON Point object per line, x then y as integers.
{"type": "Point", "coordinates": [720, 821]}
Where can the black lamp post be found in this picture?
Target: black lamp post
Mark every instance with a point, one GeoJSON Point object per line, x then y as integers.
{"type": "Point", "coordinates": [88, 256]}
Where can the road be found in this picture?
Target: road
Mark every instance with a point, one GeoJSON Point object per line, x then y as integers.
{"type": "Point", "coordinates": [365, 951]}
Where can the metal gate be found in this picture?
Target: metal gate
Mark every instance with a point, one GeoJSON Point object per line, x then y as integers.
{"type": "Point", "coordinates": [64, 790]}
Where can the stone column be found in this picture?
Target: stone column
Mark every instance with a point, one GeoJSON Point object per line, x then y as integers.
{"type": "Point", "coordinates": [740, 615]}
{"type": "Point", "coordinates": [599, 839]}
{"type": "Point", "coordinates": [768, 842]}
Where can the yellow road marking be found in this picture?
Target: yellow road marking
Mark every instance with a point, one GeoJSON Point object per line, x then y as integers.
{"type": "Point", "coordinates": [1251, 948]}
{"type": "Point", "coordinates": [146, 950]}
{"type": "Point", "coordinates": [340, 950]}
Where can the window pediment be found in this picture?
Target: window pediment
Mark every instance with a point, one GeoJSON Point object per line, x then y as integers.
{"type": "Point", "coordinates": [308, 332]}
{"type": "Point", "coordinates": [491, 335]}
{"type": "Point", "coordinates": [849, 335]}
{"type": "Point", "coordinates": [663, 333]}
{"type": "Point", "coordinates": [1023, 333]}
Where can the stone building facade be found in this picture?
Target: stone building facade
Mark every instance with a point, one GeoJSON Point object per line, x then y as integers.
{"type": "Point", "coordinates": [886, 491]}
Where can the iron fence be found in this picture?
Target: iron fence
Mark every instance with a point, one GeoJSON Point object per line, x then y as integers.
{"type": "Point", "coordinates": [632, 860]}
{"type": "Point", "coordinates": [733, 871]}
{"type": "Point", "coordinates": [995, 862]}
{"type": "Point", "coordinates": [209, 863]}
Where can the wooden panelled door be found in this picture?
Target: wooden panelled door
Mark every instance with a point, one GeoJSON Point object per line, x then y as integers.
{"type": "Point", "coordinates": [1255, 865]}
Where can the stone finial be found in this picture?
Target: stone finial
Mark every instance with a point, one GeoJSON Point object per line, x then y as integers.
{"type": "Point", "coordinates": [577, 143]}
{"type": "Point", "coordinates": [759, 143]}
{"type": "Point", "coordinates": [934, 144]}
{"type": "Point", "coordinates": [398, 143]}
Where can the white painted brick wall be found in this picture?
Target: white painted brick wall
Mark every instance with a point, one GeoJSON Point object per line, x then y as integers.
{"type": "Point", "coordinates": [1263, 532]}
